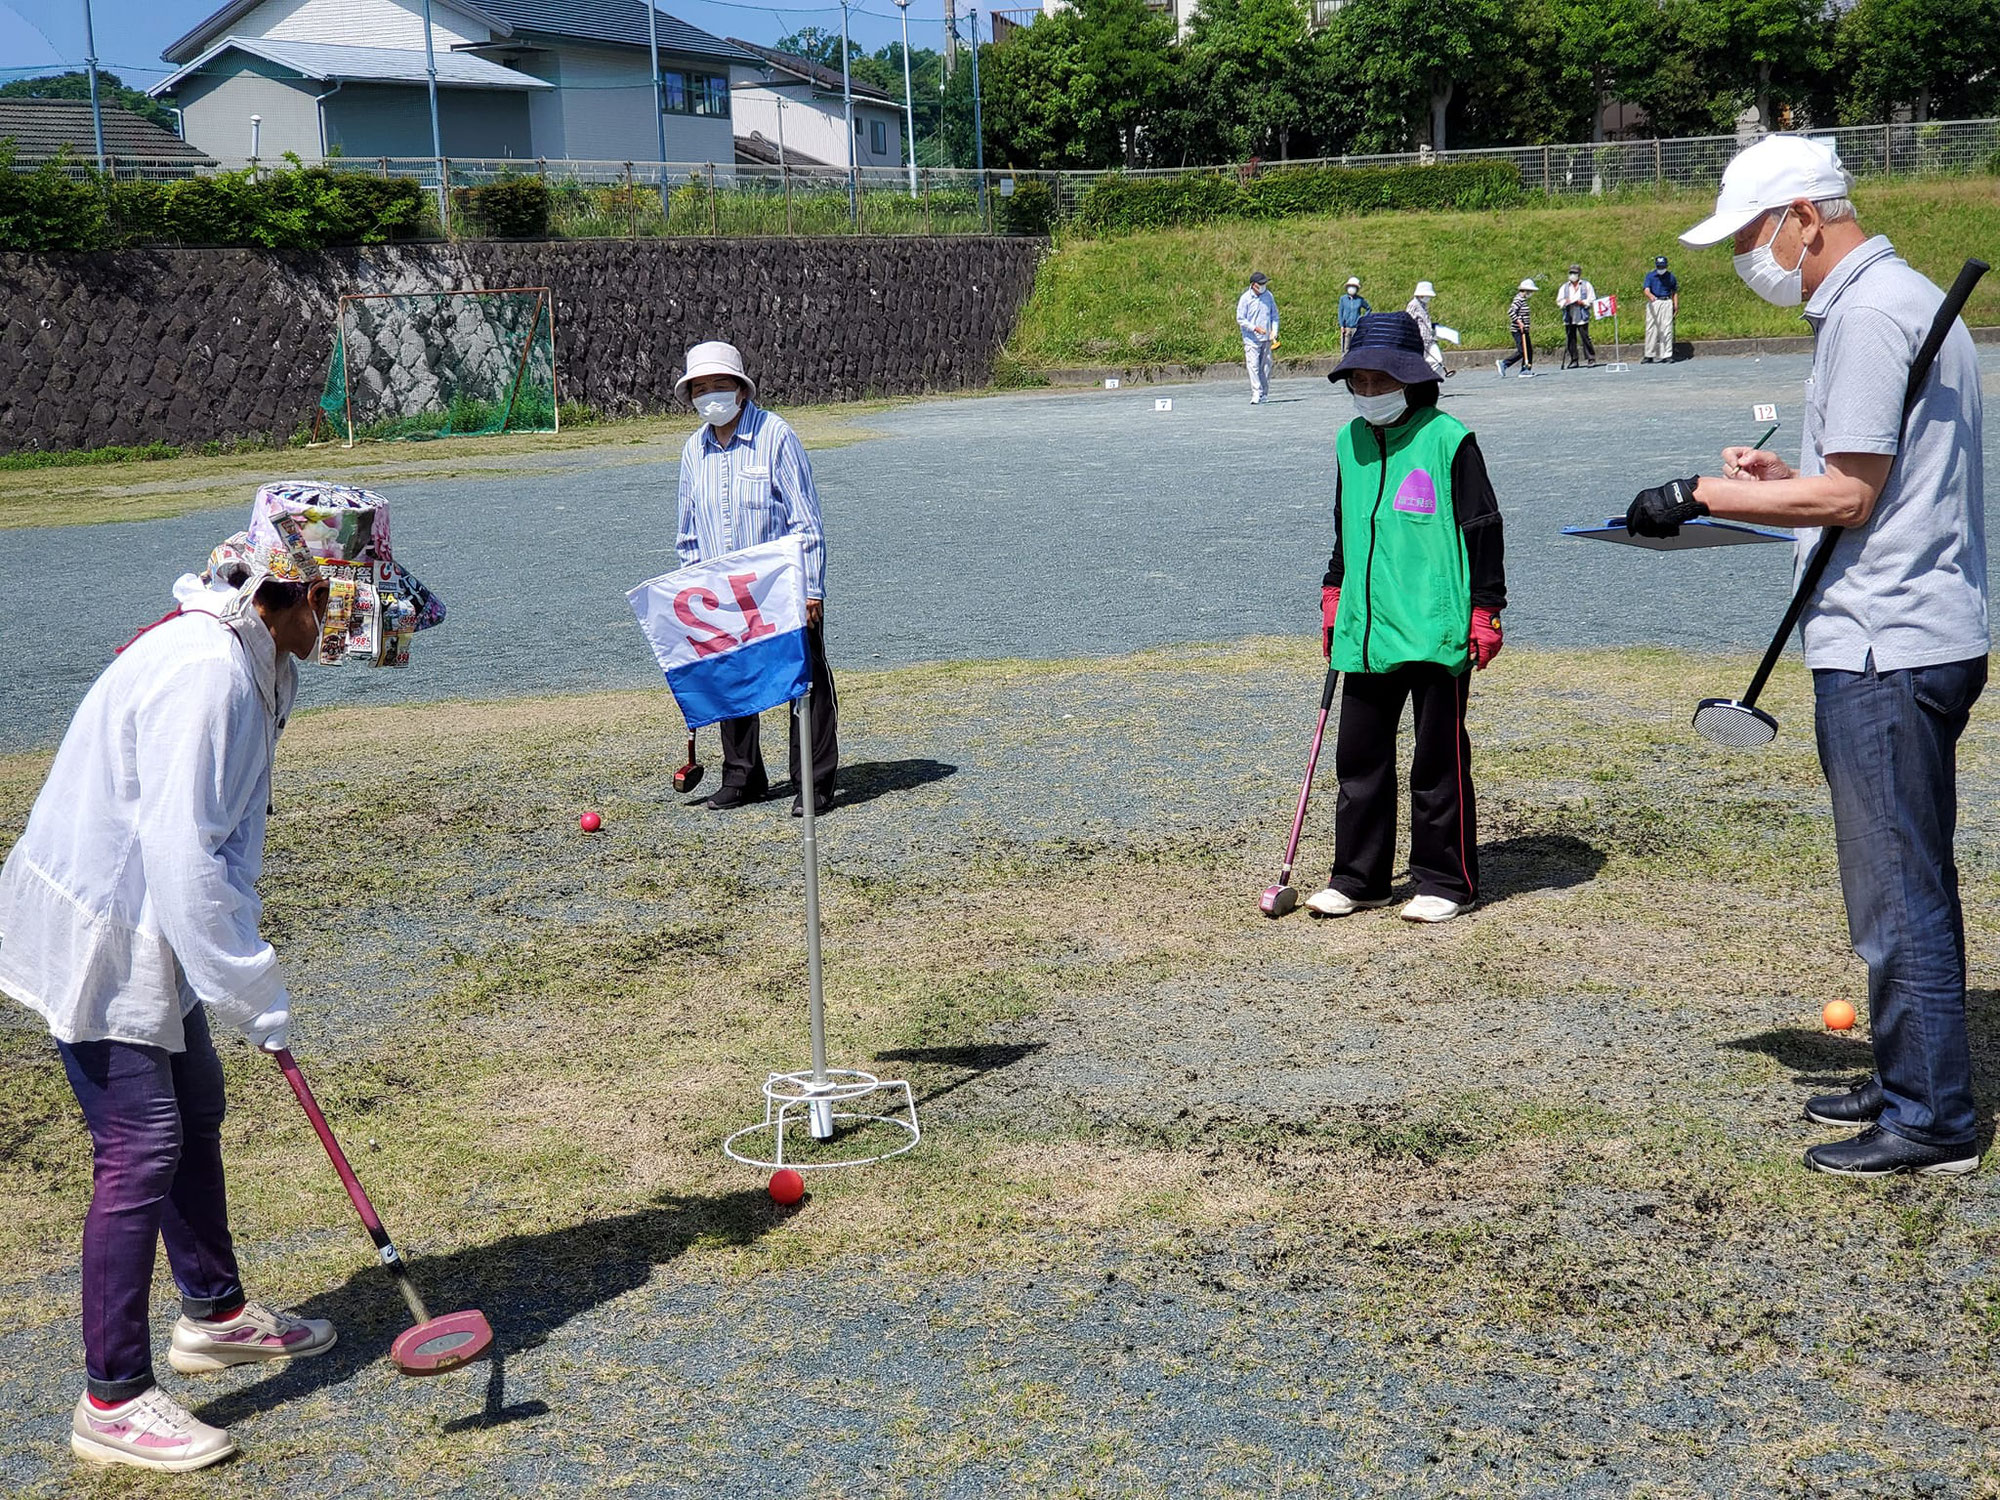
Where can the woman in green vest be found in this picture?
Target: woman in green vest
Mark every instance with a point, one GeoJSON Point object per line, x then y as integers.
{"type": "Point", "coordinates": [1411, 601]}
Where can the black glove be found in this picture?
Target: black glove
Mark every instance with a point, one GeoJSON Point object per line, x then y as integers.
{"type": "Point", "coordinates": [1660, 510]}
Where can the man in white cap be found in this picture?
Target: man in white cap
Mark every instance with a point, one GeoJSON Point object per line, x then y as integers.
{"type": "Point", "coordinates": [745, 479]}
{"type": "Point", "coordinates": [1420, 309]}
{"type": "Point", "coordinates": [1896, 636]}
{"type": "Point", "coordinates": [1257, 321]}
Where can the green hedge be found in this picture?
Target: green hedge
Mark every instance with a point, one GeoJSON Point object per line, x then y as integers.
{"type": "Point", "coordinates": [509, 208]}
{"type": "Point", "coordinates": [1118, 205]}
{"type": "Point", "coordinates": [300, 208]}
{"type": "Point", "coordinates": [1029, 209]}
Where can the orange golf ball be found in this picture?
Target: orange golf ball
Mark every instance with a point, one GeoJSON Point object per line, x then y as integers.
{"type": "Point", "coordinates": [1838, 1015]}
{"type": "Point", "coordinates": [787, 1187]}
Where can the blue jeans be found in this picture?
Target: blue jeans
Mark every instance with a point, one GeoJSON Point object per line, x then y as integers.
{"type": "Point", "coordinates": [1888, 742]}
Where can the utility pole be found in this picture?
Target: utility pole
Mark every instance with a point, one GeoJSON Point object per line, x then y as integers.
{"type": "Point", "coordinates": [90, 62]}
{"type": "Point", "coordinates": [950, 37]}
{"type": "Point", "coordinates": [909, 109]}
{"type": "Point", "coordinates": [659, 100]}
{"type": "Point", "coordinates": [437, 135]}
{"type": "Point", "coordinates": [847, 111]}
{"type": "Point", "coordinates": [978, 130]}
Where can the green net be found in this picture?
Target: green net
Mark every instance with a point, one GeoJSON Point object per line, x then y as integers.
{"type": "Point", "coordinates": [441, 364]}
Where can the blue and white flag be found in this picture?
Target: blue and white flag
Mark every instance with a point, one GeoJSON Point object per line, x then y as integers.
{"type": "Point", "coordinates": [731, 633]}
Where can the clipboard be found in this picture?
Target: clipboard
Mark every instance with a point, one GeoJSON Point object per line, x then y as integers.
{"type": "Point", "coordinates": [1695, 535]}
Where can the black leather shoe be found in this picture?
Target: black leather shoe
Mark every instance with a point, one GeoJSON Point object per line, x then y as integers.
{"type": "Point", "coordinates": [734, 796]}
{"type": "Point", "coordinates": [1858, 1106]}
{"type": "Point", "coordinates": [822, 802]}
{"type": "Point", "coordinates": [1880, 1153]}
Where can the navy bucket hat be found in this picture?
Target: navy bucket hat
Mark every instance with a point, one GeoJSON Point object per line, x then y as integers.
{"type": "Point", "coordinates": [1388, 342]}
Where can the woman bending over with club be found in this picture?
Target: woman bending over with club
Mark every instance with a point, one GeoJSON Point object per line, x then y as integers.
{"type": "Point", "coordinates": [129, 916]}
{"type": "Point", "coordinates": [1411, 599]}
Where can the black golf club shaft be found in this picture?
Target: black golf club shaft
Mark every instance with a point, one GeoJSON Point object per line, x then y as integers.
{"type": "Point", "coordinates": [1920, 369]}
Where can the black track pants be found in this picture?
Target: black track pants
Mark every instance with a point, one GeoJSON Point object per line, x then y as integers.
{"type": "Point", "coordinates": [1444, 843]}
{"type": "Point", "coordinates": [742, 751]}
{"type": "Point", "coordinates": [1574, 331]}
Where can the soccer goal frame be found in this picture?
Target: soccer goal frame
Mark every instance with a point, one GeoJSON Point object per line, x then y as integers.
{"type": "Point", "coordinates": [544, 317]}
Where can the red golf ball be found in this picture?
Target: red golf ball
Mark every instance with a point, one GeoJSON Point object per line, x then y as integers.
{"type": "Point", "coordinates": [590, 822]}
{"type": "Point", "coordinates": [787, 1187]}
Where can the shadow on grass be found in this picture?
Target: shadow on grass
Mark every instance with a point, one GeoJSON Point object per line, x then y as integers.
{"type": "Point", "coordinates": [976, 1061]}
{"type": "Point", "coordinates": [865, 780]}
{"type": "Point", "coordinates": [1818, 1059]}
{"type": "Point", "coordinates": [1535, 862]}
{"type": "Point", "coordinates": [527, 1285]}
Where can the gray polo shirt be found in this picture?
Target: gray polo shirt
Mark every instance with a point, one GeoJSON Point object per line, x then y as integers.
{"type": "Point", "coordinates": [1910, 586]}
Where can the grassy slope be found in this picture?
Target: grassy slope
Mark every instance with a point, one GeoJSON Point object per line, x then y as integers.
{"type": "Point", "coordinates": [1169, 296]}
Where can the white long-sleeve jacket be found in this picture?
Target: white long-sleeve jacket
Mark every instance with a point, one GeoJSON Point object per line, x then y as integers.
{"type": "Point", "coordinates": [132, 896]}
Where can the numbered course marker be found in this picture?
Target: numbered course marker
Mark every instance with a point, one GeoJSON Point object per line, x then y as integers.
{"type": "Point", "coordinates": [1111, 383]}
{"type": "Point", "coordinates": [1163, 403]}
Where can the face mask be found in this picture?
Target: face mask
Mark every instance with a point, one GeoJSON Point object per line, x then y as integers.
{"type": "Point", "coordinates": [719, 408]}
{"type": "Point", "coordinates": [1761, 272]}
{"type": "Point", "coordinates": [1382, 411]}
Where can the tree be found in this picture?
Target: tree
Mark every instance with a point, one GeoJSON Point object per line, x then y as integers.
{"type": "Point", "coordinates": [111, 91]}
{"type": "Point", "coordinates": [1040, 107]}
{"type": "Point", "coordinates": [1756, 50]}
{"type": "Point", "coordinates": [1602, 49]}
{"type": "Point", "coordinates": [1935, 56]}
{"type": "Point", "coordinates": [1250, 70]}
{"type": "Point", "coordinates": [1411, 56]}
{"type": "Point", "coordinates": [1130, 59]}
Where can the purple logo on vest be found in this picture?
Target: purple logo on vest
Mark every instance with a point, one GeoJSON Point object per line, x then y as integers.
{"type": "Point", "coordinates": [1418, 494]}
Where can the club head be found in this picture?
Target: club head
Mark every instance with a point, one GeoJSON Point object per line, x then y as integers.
{"type": "Point", "coordinates": [688, 777]}
{"type": "Point", "coordinates": [442, 1344]}
{"type": "Point", "coordinates": [1724, 721]}
{"type": "Point", "coordinates": [1278, 900]}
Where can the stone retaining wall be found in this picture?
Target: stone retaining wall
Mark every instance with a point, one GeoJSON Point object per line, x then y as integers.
{"type": "Point", "coordinates": [192, 346]}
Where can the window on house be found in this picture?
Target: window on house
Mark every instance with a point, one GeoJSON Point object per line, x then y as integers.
{"type": "Point", "coordinates": [878, 137]}
{"type": "Point", "coordinates": [694, 93]}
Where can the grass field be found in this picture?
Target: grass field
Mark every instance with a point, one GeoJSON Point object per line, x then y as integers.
{"type": "Point", "coordinates": [1206, 1204]}
{"type": "Point", "coordinates": [144, 489]}
{"type": "Point", "coordinates": [1170, 296]}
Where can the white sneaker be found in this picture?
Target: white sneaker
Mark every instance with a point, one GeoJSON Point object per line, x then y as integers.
{"type": "Point", "coordinates": [1432, 909]}
{"type": "Point", "coordinates": [151, 1431]}
{"type": "Point", "coordinates": [1332, 903]}
{"type": "Point", "coordinates": [256, 1334]}
{"type": "Point", "coordinates": [1526, 375]}
{"type": "Point", "coordinates": [1500, 368]}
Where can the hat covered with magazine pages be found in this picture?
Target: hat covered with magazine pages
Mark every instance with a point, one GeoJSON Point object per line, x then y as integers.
{"type": "Point", "coordinates": [375, 604]}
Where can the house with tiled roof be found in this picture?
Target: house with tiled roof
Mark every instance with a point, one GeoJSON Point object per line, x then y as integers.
{"type": "Point", "coordinates": [516, 78]}
{"type": "Point", "coordinates": [41, 130]}
{"type": "Point", "coordinates": [796, 103]}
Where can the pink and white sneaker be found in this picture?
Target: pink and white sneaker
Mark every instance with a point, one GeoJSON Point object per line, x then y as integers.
{"type": "Point", "coordinates": [256, 1334]}
{"type": "Point", "coordinates": [151, 1431]}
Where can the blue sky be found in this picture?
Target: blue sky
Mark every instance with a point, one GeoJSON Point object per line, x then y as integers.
{"type": "Point", "coordinates": [46, 35]}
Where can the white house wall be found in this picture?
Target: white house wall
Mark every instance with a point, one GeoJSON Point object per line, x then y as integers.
{"type": "Point", "coordinates": [216, 108]}
{"type": "Point", "coordinates": [360, 23]}
{"type": "Point", "coordinates": [815, 124]}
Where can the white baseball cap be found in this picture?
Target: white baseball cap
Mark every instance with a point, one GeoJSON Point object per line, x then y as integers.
{"type": "Point", "coordinates": [713, 358]}
{"type": "Point", "coordinates": [1778, 170]}
{"type": "Point", "coordinates": [1424, 289]}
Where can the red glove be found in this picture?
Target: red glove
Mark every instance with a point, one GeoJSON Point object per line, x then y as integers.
{"type": "Point", "coordinates": [1329, 611]}
{"type": "Point", "coordinates": [1486, 642]}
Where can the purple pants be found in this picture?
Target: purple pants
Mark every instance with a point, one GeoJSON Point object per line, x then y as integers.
{"type": "Point", "coordinates": [155, 1121]}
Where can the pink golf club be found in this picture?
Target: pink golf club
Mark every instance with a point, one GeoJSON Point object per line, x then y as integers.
{"type": "Point", "coordinates": [1281, 898]}
{"type": "Point", "coordinates": [434, 1345]}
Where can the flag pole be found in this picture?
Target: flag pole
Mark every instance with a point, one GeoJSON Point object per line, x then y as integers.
{"type": "Point", "coordinates": [821, 1113]}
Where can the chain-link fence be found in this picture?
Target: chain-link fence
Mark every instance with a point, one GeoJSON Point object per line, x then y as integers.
{"type": "Point", "coordinates": [612, 199]}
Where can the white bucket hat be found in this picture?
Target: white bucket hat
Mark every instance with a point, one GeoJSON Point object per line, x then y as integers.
{"type": "Point", "coordinates": [1778, 170]}
{"type": "Point", "coordinates": [1354, 281]}
{"type": "Point", "coordinates": [1425, 289]}
{"type": "Point", "coordinates": [1527, 285]}
{"type": "Point", "coordinates": [713, 358]}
